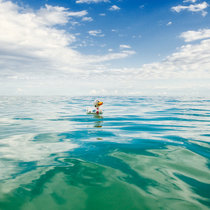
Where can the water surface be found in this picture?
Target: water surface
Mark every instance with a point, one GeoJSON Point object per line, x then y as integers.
{"type": "Point", "coordinates": [142, 153]}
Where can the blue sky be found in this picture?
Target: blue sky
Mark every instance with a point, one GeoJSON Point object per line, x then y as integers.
{"type": "Point", "coordinates": [104, 47]}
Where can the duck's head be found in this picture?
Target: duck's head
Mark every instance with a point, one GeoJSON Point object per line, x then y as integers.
{"type": "Point", "coordinates": [97, 103]}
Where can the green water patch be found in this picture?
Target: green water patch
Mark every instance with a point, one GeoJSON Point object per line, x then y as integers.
{"type": "Point", "coordinates": [170, 188]}
{"type": "Point", "coordinates": [81, 185]}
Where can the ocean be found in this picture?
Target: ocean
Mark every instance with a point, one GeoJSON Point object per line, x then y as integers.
{"type": "Point", "coordinates": [142, 153]}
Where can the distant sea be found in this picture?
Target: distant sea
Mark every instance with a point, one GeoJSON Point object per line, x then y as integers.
{"type": "Point", "coordinates": [142, 153]}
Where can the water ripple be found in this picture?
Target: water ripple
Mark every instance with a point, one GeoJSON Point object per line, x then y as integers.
{"type": "Point", "coordinates": [143, 153]}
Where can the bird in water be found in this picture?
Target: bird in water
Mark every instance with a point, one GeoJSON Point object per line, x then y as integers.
{"type": "Point", "coordinates": [96, 109]}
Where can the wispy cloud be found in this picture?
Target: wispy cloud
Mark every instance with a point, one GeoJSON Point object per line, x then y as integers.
{"type": "Point", "coordinates": [114, 8]}
{"type": "Point", "coordinates": [96, 33]}
{"type": "Point", "coordinates": [190, 36]}
{"type": "Point", "coordinates": [90, 1]}
{"type": "Point", "coordinates": [111, 56]}
{"type": "Point", "coordinates": [193, 8]}
{"type": "Point", "coordinates": [88, 19]}
{"type": "Point", "coordinates": [169, 23]}
{"type": "Point", "coordinates": [193, 1]}
{"type": "Point", "coordinates": [124, 46]}
{"type": "Point", "coordinates": [51, 15]}
{"type": "Point", "coordinates": [78, 14]}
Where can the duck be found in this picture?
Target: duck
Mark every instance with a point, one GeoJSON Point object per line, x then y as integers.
{"type": "Point", "coordinates": [95, 110]}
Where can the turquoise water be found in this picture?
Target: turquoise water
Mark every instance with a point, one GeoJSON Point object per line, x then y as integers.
{"type": "Point", "coordinates": [142, 153]}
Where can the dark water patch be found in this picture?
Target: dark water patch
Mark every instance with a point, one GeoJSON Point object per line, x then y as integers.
{"type": "Point", "coordinates": [175, 119]}
{"type": "Point", "coordinates": [198, 109]}
{"type": "Point", "coordinates": [79, 118]}
{"type": "Point", "coordinates": [176, 138]}
{"type": "Point", "coordinates": [47, 137]}
{"type": "Point", "coordinates": [190, 145]}
{"type": "Point", "coordinates": [195, 186]}
{"type": "Point", "coordinates": [207, 134]}
{"type": "Point", "coordinates": [198, 115]}
{"type": "Point", "coordinates": [165, 112]}
{"type": "Point", "coordinates": [25, 167]}
{"type": "Point", "coordinates": [151, 143]}
{"type": "Point", "coordinates": [23, 118]}
{"type": "Point", "coordinates": [86, 134]}
{"type": "Point", "coordinates": [124, 119]}
{"type": "Point", "coordinates": [139, 119]}
{"type": "Point", "coordinates": [119, 123]}
{"type": "Point", "coordinates": [197, 149]}
{"type": "Point", "coordinates": [148, 127]}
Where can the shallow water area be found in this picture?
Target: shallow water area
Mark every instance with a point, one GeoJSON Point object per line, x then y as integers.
{"type": "Point", "coordinates": [141, 153]}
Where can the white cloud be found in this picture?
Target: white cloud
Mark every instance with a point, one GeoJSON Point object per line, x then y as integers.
{"type": "Point", "coordinates": [88, 19]}
{"type": "Point", "coordinates": [78, 14]}
{"type": "Point", "coordinates": [193, 8]}
{"type": "Point", "coordinates": [112, 56]}
{"type": "Point", "coordinates": [193, 1]}
{"type": "Point", "coordinates": [124, 46]}
{"type": "Point", "coordinates": [169, 23]}
{"type": "Point", "coordinates": [29, 41]}
{"type": "Point", "coordinates": [90, 1]}
{"type": "Point", "coordinates": [32, 46]}
{"type": "Point", "coordinates": [96, 33]}
{"type": "Point", "coordinates": [114, 8]}
{"type": "Point", "coordinates": [50, 15]}
{"type": "Point", "coordinates": [189, 36]}
{"type": "Point", "coordinates": [191, 61]}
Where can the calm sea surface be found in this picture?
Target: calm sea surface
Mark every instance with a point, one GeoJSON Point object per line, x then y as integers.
{"type": "Point", "coordinates": [142, 153]}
